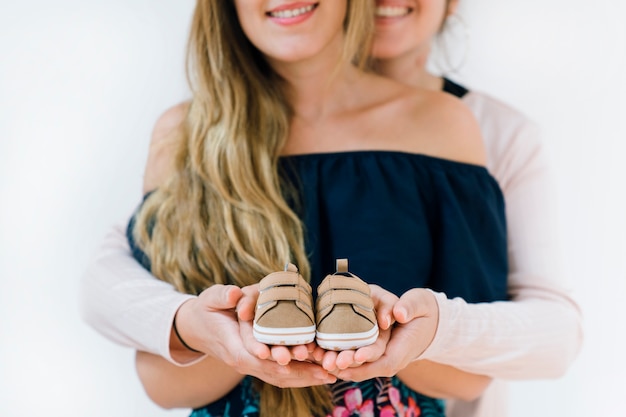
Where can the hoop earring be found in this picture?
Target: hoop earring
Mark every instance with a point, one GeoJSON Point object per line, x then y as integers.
{"type": "Point", "coordinates": [453, 29]}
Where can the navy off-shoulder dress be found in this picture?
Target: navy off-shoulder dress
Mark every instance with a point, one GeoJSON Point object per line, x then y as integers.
{"type": "Point", "coordinates": [404, 221]}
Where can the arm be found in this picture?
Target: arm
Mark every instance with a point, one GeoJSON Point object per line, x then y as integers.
{"type": "Point", "coordinates": [118, 297]}
{"type": "Point", "coordinates": [126, 304]}
{"type": "Point", "coordinates": [171, 386]}
{"type": "Point", "coordinates": [204, 382]}
{"type": "Point", "coordinates": [507, 340]}
{"type": "Point", "coordinates": [443, 381]}
{"type": "Point", "coordinates": [539, 333]}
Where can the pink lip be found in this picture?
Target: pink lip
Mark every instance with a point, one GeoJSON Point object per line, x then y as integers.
{"type": "Point", "coordinates": [398, 3]}
{"type": "Point", "coordinates": [285, 21]}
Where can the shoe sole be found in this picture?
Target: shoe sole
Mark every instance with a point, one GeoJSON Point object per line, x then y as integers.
{"type": "Point", "coordinates": [284, 336]}
{"type": "Point", "coordinates": [346, 341]}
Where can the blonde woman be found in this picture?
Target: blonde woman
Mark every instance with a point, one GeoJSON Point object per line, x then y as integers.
{"type": "Point", "coordinates": [357, 128]}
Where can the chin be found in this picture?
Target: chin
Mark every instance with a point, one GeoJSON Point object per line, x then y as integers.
{"type": "Point", "coordinates": [385, 52]}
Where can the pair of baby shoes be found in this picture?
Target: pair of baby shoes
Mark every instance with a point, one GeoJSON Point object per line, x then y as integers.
{"type": "Point", "coordinates": [344, 317]}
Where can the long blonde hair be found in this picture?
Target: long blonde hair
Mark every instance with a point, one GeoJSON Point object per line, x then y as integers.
{"type": "Point", "coordinates": [222, 217]}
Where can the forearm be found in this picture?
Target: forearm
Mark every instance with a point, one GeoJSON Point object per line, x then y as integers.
{"type": "Point", "coordinates": [443, 381]}
{"type": "Point", "coordinates": [171, 386]}
{"type": "Point", "coordinates": [539, 332]}
{"type": "Point", "coordinates": [525, 339]}
{"type": "Point", "coordinates": [124, 302]}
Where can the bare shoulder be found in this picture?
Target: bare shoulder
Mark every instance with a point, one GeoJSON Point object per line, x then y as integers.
{"type": "Point", "coordinates": [163, 145]}
{"type": "Point", "coordinates": [444, 127]}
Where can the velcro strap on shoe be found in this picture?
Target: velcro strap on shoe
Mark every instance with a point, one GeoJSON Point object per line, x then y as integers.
{"type": "Point", "coordinates": [270, 297]}
{"type": "Point", "coordinates": [355, 298]}
{"type": "Point", "coordinates": [334, 282]}
{"type": "Point", "coordinates": [285, 293]}
{"type": "Point", "coordinates": [340, 296]}
{"type": "Point", "coordinates": [284, 278]}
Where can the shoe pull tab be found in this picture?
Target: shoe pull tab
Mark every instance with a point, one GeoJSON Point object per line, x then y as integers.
{"type": "Point", "coordinates": [291, 267]}
{"type": "Point", "coordinates": [342, 265]}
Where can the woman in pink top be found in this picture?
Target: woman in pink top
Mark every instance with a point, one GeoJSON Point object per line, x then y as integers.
{"type": "Point", "coordinates": [535, 335]}
{"type": "Point", "coordinates": [538, 333]}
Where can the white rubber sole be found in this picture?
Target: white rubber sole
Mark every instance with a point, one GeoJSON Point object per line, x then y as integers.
{"type": "Point", "coordinates": [349, 341]}
{"type": "Point", "coordinates": [289, 336]}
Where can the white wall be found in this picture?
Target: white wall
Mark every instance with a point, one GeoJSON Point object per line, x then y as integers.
{"type": "Point", "coordinates": [81, 84]}
{"type": "Point", "coordinates": [563, 63]}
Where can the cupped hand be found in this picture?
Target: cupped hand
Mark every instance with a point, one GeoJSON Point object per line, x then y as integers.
{"type": "Point", "coordinates": [281, 354]}
{"type": "Point", "coordinates": [210, 323]}
{"type": "Point", "coordinates": [416, 314]}
{"type": "Point", "coordinates": [206, 323]}
{"type": "Point", "coordinates": [384, 302]}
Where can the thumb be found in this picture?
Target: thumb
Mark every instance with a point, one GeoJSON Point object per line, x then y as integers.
{"type": "Point", "coordinates": [412, 304]}
{"type": "Point", "coordinates": [220, 297]}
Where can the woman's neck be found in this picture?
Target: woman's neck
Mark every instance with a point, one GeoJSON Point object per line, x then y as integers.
{"type": "Point", "coordinates": [410, 69]}
{"type": "Point", "coordinates": [316, 87]}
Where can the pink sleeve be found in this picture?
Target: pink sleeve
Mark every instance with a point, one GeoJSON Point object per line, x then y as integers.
{"type": "Point", "coordinates": [527, 339]}
{"type": "Point", "coordinates": [125, 303]}
{"type": "Point", "coordinates": [539, 334]}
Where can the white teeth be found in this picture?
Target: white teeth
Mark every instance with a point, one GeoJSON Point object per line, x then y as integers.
{"type": "Point", "coordinates": [391, 11]}
{"type": "Point", "coordinates": [286, 14]}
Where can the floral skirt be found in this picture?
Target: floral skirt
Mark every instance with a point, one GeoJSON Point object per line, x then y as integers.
{"type": "Point", "coordinates": [378, 397]}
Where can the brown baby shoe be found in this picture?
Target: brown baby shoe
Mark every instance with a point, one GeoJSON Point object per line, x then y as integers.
{"type": "Point", "coordinates": [345, 311]}
{"type": "Point", "coordinates": [284, 311]}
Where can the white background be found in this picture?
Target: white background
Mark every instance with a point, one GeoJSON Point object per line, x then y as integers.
{"type": "Point", "coordinates": [81, 84]}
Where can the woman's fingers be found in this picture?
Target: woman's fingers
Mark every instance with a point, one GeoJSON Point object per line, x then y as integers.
{"type": "Point", "coordinates": [256, 348]}
{"type": "Point", "coordinates": [329, 360]}
{"type": "Point", "coordinates": [384, 302]}
{"type": "Point", "coordinates": [247, 303]}
{"type": "Point", "coordinates": [345, 359]}
{"type": "Point", "coordinates": [374, 351]}
{"type": "Point", "coordinates": [281, 354]}
{"type": "Point", "coordinates": [354, 358]}
{"type": "Point", "coordinates": [318, 353]}
{"type": "Point", "coordinates": [301, 352]}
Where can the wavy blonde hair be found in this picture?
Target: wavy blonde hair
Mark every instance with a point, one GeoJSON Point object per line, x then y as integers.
{"type": "Point", "coordinates": [222, 217]}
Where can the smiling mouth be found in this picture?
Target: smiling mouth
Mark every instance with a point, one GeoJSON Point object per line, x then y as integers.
{"type": "Point", "coordinates": [291, 13]}
{"type": "Point", "coordinates": [392, 11]}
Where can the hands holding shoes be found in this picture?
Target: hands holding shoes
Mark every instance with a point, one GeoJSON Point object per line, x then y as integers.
{"type": "Point", "coordinates": [356, 331]}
